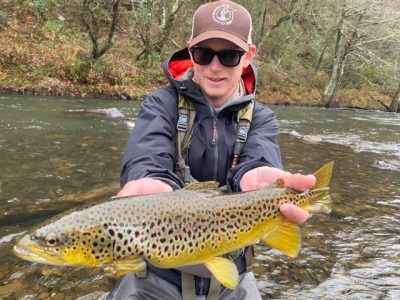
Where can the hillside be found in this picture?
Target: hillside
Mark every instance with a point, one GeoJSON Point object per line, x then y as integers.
{"type": "Point", "coordinates": [46, 50]}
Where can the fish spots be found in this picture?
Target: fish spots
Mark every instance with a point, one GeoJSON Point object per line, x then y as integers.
{"type": "Point", "coordinates": [160, 227]}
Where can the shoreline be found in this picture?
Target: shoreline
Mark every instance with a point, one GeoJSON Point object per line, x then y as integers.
{"type": "Point", "coordinates": [85, 93]}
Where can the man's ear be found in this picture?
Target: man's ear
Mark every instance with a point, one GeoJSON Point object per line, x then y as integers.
{"type": "Point", "coordinates": [250, 55]}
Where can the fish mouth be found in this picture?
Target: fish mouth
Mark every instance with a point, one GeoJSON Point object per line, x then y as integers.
{"type": "Point", "coordinates": [29, 255]}
{"type": "Point", "coordinates": [30, 251]}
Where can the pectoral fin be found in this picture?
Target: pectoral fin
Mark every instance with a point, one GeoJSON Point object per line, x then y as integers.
{"type": "Point", "coordinates": [224, 270]}
{"type": "Point", "coordinates": [286, 237]}
{"type": "Point", "coordinates": [124, 266]}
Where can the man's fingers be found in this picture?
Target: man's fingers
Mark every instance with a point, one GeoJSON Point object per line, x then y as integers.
{"type": "Point", "coordinates": [294, 213]}
{"type": "Point", "coordinates": [299, 182]}
{"type": "Point", "coordinates": [258, 178]}
{"type": "Point", "coordinates": [144, 186]}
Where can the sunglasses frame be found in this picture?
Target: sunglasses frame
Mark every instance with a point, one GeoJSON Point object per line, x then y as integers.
{"type": "Point", "coordinates": [218, 54]}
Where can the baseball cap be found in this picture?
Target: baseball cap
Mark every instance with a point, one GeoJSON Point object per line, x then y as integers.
{"type": "Point", "coordinates": [222, 19]}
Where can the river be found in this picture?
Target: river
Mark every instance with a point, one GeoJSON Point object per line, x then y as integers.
{"type": "Point", "coordinates": [53, 157]}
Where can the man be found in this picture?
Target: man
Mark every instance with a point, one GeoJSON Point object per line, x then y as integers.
{"type": "Point", "coordinates": [215, 74]}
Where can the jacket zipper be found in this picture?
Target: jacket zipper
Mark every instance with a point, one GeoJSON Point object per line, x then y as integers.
{"type": "Point", "coordinates": [214, 142]}
{"type": "Point", "coordinates": [215, 134]}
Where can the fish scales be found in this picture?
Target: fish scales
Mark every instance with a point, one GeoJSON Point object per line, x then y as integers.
{"type": "Point", "coordinates": [170, 230]}
{"type": "Point", "coordinates": [177, 225]}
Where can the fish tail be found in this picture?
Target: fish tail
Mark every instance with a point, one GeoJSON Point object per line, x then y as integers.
{"type": "Point", "coordinates": [324, 175]}
{"type": "Point", "coordinates": [320, 192]}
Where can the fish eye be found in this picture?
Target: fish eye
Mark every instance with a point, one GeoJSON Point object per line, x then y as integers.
{"type": "Point", "coordinates": [51, 239]}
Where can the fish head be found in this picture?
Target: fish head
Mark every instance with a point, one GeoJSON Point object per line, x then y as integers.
{"type": "Point", "coordinates": [65, 245]}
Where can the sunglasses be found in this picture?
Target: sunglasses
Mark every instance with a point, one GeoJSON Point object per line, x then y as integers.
{"type": "Point", "coordinates": [228, 58]}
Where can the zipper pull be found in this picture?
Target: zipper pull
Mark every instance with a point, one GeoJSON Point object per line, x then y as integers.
{"type": "Point", "coordinates": [214, 139]}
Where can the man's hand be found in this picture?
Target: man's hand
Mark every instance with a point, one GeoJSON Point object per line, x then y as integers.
{"type": "Point", "coordinates": [144, 186]}
{"type": "Point", "coordinates": [262, 176]}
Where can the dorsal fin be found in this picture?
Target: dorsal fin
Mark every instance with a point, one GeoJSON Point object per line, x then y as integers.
{"type": "Point", "coordinates": [206, 185]}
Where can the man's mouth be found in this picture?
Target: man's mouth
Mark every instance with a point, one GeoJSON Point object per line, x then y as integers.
{"type": "Point", "coordinates": [215, 80]}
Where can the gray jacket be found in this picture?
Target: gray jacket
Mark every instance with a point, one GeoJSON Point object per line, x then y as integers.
{"type": "Point", "coordinates": [150, 151]}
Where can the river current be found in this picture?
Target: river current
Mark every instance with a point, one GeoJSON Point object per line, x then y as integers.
{"type": "Point", "coordinates": [53, 157]}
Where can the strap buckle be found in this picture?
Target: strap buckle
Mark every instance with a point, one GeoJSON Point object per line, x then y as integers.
{"type": "Point", "coordinates": [183, 122]}
{"type": "Point", "coordinates": [242, 133]}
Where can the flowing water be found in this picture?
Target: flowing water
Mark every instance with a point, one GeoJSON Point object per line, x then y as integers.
{"type": "Point", "coordinates": [54, 157]}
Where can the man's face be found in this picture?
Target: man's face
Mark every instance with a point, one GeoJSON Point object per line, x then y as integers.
{"type": "Point", "coordinates": [218, 82]}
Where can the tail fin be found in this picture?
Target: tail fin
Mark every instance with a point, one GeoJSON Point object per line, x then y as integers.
{"type": "Point", "coordinates": [320, 191]}
{"type": "Point", "coordinates": [324, 175]}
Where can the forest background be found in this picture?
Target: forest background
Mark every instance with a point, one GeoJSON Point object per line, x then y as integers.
{"type": "Point", "coordinates": [332, 53]}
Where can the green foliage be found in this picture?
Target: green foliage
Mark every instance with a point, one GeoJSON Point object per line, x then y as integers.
{"type": "Point", "coordinates": [78, 70]}
{"type": "Point", "coordinates": [48, 38]}
{"type": "Point", "coordinates": [3, 18]}
{"type": "Point", "coordinates": [41, 5]}
{"type": "Point", "coordinates": [4, 12]}
{"type": "Point", "coordinates": [41, 8]}
{"type": "Point", "coordinates": [55, 26]}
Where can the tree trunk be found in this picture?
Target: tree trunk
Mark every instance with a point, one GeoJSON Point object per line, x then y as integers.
{"type": "Point", "coordinates": [167, 27]}
{"type": "Point", "coordinates": [328, 98]}
{"type": "Point", "coordinates": [395, 104]}
{"type": "Point", "coordinates": [91, 23]}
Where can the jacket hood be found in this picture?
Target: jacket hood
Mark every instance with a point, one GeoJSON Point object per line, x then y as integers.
{"type": "Point", "coordinates": [177, 65]}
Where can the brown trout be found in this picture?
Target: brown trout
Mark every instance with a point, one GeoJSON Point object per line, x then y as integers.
{"type": "Point", "coordinates": [186, 227]}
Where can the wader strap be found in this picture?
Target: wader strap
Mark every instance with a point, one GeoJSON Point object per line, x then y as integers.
{"type": "Point", "coordinates": [215, 288]}
{"type": "Point", "coordinates": [142, 274]}
{"type": "Point", "coordinates": [244, 118]}
{"type": "Point", "coordinates": [187, 114]}
{"type": "Point", "coordinates": [249, 256]}
{"type": "Point", "coordinates": [188, 286]}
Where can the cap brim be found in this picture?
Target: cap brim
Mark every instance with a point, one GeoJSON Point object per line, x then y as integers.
{"type": "Point", "coordinates": [218, 34]}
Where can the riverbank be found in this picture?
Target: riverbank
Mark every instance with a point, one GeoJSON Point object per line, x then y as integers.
{"type": "Point", "coordinates": [37, 59]}
{"type": "Point", "coordinates": [351, 99]}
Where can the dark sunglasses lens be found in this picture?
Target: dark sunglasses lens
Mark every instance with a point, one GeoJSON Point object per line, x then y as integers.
{"type": "Point", "coordinates": [202, 56]}
{"type": "Point", "coordinates": [230, 58]}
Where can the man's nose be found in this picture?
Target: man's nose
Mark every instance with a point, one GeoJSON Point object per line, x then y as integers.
{"type": "Point", "coordinates": [215, 64]}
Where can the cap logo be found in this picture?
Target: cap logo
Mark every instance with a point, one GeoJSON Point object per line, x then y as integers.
{"type": "Point", "coordinates": [223, 14]}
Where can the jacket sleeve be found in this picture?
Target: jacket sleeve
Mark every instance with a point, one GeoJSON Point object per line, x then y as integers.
{"type": "Point", "coordinates": [260, 149]}
{"type": "Point", "coordinates": [150, 150]}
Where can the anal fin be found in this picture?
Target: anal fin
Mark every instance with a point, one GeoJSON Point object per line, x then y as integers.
{"type": "Point", "coordinates": [224, 270]}
{"type": "Point", "coordinates": [286, 237]}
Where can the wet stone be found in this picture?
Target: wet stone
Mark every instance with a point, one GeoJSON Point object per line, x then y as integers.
{"type": "Point", "coordinates": [44, 296]}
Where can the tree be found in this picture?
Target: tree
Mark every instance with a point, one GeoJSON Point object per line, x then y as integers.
{"type": "Point", "coordinates": [154, 20]}
{"type": "Point", "coordinates": [358, 28]}
{"type": "Point", "coordinates": [99, 19]}
{"type": "Point", "coordinates": [290, 12]}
